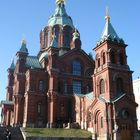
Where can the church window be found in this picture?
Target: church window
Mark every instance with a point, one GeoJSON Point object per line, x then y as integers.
{"type": "Point", "coordinates": [46, 39]}
{"type": "Point", "coordinates": [98, 62]}
{"type": "Point", "coordinates": [102, 87]}
{"type": "Point", "coordinates": [121, 59]}
{"type": "Point", "coordinates": [112, 57]}
{"type": "Point", "coordinates": [76, 66]}
{"type": "Point", "coordinates": [41, 85]}
{"type": "Point", "coordinates": [57, 33]}
{"type": "Point", "coordinates": [119, 85]}
{"type": "Point", "coordinates": [39, 108]}
{"type": "Point", "coordinates": [77, 87]}
{"type": "Point", "coordinates": [87, 89]}
{"type": "Point", "coordinates": [67, 38]}
{"type": "Point", "coordinates": [62, 109]}
{"type": "Point", "coordinates": [104, 60]}
{"type": "Point", "coordinates": [102, 123]}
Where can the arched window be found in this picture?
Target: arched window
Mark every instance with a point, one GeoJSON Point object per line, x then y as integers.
{"type": "Point", "coordinates": [46, 40]}
{"type": "Point", "coordinates": [112, 57]}
{"type": "Point", "coordinates": [77, 87]}
{"type": "Point", "coordinates": [121, 58]}
{"type": "Point", "coordinates": [56, 33]}
{"type": "Point", "coordinates": [98, 62]}
{"type": "Point", "coordinates": [102, 122]}
{"type": "Point", "coordinates": [76, 66]}
{"type": "Point", "coordinates": [119, 86]}
{"type": "Point", "coordinates": [41, 85]}
{"type": "Point", "coordinates": [102, 87]}
{"type": "Point", "coordinates": [104, 60]}
{"type": "Point", "coordinates": [39, 108]}
{"type": "Point", "coordinates": [67, 36]}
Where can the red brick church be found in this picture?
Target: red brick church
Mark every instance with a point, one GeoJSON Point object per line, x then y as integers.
{"type": "Point", "coordinates": [63, 86]}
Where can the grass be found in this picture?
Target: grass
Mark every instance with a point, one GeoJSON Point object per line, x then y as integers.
{"type": "Point", "coordinates": [58, 132]}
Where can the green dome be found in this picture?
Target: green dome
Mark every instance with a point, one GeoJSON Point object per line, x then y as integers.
{"type": "Point", "coordinates": [60, 17]}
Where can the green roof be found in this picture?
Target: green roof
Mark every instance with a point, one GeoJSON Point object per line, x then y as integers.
{"type": "Point", "coordinates": [12, 67]}
{"type": "Point", "coordinates": [109, 33]}
{"type": "Point", "coordinates": [23, 47]}
{"type": "Point", "coordinates": [33, 62]}
{"type": "Point", "coordinates": [89, 95]}
{"type": "Point", "coordinates": [7, 102]}
{"type": "Point", "coordinates": [60, 17]}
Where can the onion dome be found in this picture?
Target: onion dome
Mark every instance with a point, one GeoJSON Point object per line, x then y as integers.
{"type": "Point", "coordinates": [60, 16]}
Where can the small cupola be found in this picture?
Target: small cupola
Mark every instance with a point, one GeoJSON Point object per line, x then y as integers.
{"type": "Point", "coordinates": [23, 48]}
{"type": "Point", "coordinates": [76, 42]}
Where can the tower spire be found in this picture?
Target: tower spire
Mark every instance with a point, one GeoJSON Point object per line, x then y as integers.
{"type": "Point", "coordinates": [107, 17]}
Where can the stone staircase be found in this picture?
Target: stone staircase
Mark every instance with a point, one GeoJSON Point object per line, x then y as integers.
{"type": "Point", "coordinates": [15, 133]}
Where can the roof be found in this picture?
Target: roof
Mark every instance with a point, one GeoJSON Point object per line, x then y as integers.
{"type": "Point", "coordinates": [23, 47]}
{"type": "Point", "coordinates": [12, 67]}
{"type": "Point", "coordinates": [7, 102]}
{"type": "Point", "coordinates": [60, 16]}
{"type": "Point", "coordinates": [33, 62]}
{"type": "Point", "coordinates": [88, 95]}
{"type": "Point", "coordinates": [109, 33]}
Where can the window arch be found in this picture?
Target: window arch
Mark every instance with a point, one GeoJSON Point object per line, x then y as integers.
{"type": "Point", "coordinates": [98, 61]}
{"type": "Point", "coordinates": [119, 86]}
{"type": "Point", "coordinates": [76, 67]}
{"type": "Point", "coordinates": [104, 59]}
{"type": "Point", "coordinates": [56, 32]}
{"type": "Point", "coordinates": [46, 40]}
{"type": "Point", "coordinates": [121, 58]}
{"type": "Point", "coordinates": [102, 122]}
{"type": "Point", "coordinates": [67, 36]}
{"type": "Point", "coordinates": [39, 108]}
{"type": "Point", "coordinates": [102, 87]}
{"type": "Point", "coordinates": [112, 57]}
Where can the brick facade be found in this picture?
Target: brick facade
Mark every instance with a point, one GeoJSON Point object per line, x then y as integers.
{"type": "Point", "coordinates": [64, 86]}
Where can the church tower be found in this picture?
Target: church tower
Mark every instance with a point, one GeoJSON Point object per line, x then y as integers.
{"type": "Point", "coordinates": [113, 111]}
{"type": "Point", "coordinates": [68, 66]}
{"type": "Point", "coordinates": [19, 83]}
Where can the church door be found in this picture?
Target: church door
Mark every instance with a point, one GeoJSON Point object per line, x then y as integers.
{"type": "Point", "coordinates": [125, 132]}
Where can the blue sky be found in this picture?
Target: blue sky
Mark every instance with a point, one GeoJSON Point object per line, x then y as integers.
{"type": "Point", "coordinates": [25, 18]}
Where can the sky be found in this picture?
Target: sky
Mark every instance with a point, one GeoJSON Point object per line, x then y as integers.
{"type": "Point", "coordinates": [25, 18]}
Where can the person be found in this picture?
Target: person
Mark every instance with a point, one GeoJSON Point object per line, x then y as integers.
{"type": "Point", "coordinates": [7, 134]}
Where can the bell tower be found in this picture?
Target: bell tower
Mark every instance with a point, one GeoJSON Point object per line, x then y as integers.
{"type": "Point", "coordinates": [111, 71]}
{"type": "Point", "coordinates": [113, 87]}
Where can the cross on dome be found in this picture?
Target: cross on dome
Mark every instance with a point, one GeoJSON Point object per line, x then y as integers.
{"type": "Point", "coordinates": [60, 1]}
{"type": "Point", "coordinates": [107, 17]}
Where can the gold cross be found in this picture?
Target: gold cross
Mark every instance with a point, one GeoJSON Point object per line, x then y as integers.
{"type": "Point", "coordinates": [60, 1]}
